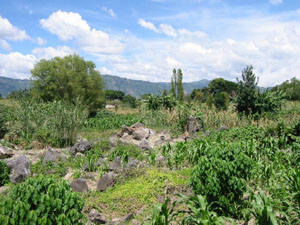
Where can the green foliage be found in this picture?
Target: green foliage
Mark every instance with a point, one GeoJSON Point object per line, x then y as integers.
{"type": "Point", "coordinates": [210, 101]}
{"type": "Point", "coordinates": [176, 85]}
{"type": "Point", "coordinates": [153, 102]}
{"type": "Point", "coordinates": [55, 123]}
{"type": "Point", "coordinates": [125, 152]}
{"type": "Point", "coordinates": [4, 173]}
{"type": "Point", "coordinates": [221, 100]}
{"type": "Point", "coordinates": [18, 94]}
{"type": "Point", "coordinates": [162, 215]}
{"type": "Point", "coordinates": [221, 174]}
{"type": "Point", "coordinates": [69, 78]}
{"type": "Point", "coordinates": [111, 121]}
{"type": "Point", "coordinates": [130, 100]}
{"type": "Point", "coordinates": [4, 116]}
{"type": "Point", "coordinates": [42, 200]}
{"type": "Point", "coordinates": [291, 89]}
{"type": "Point", "coordinates": [112, 95]}
{"type": "Point", "coordinates": [221, 85]}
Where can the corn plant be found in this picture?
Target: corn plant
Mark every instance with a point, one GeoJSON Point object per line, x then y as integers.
{"type": "Point", "coordinates": [162, 214]}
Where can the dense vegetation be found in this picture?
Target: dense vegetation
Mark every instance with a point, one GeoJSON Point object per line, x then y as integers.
{"type": "Point", "coordinates": [241, 166]}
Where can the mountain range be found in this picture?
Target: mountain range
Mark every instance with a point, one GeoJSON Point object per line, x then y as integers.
{"type": "Point", "coordinates": [128, 86]}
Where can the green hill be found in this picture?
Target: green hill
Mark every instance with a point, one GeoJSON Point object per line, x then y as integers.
{"type": "Point", "coordinates": [128, 86]}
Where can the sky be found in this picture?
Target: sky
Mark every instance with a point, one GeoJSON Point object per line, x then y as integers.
{"type": "Point", "coordinates": [146, 39]}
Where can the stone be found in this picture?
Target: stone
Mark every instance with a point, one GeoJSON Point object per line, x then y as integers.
{"type": "Point", "coordinates": [5, 152]}
{"type": "Point", "coordinates": [222, 128]}
{"type": "Point", "coordinates": [20, 168]}
{"type": "Point", "coordinates": [145, 145]}
{"type": "Point", "coordinates": [113, 141]}
{"type": "Point", "coordinates": [141, 133]}
{"type": "Point", "coordinates": [121, 221]}
{"type": "Point", "coordinates": [116, 165]}
{"type": "Point", "coordinates": [79, 185]}
{"type": "Point", "coordinates": [52, 156]}
{"type": "Point", "coordinates": [95, 217]}
{"type": "Point", "coordinates": [78, 155]}
{"type": "Point", "coordinates": [126, 130]}
{"type": "Point", "coordinates": [80, 146]}
{"type": "Point", "coordinates": [138, 125]}
{"type": "Point", "coordinates": [107, 180]}
{"type": "Point", "coordinates": [161, 161]}
{"type": "Point", "coordinates": [132, 163]}
{"type": "Point", "coordinates": [101, 162]}
{"type": "Point", "coordinates": [194, 125]}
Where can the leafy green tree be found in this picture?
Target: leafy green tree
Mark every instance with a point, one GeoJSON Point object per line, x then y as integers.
{"type": "Point", "coordinates": [221, 85]}
{"type": "Point", "coordinates": [112, 95]}
{"type": "Point", "coordinates": [247, 92]}
{"type": "Point", "coordinates": [69, 78]}
{"type": "Point", "coordinates": [221, 100]}
{"type": "Point", "coordinates": [130, 100]}
{"type": "Point", "coordinates": [291, 89]}
{"type": "Point", "coordinates": [19, 94]}
{"type": "Point", "coordinates": [176, 85]}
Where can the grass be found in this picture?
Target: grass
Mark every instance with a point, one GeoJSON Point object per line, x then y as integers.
{"type": "Point", "coordinates": [138, 192]}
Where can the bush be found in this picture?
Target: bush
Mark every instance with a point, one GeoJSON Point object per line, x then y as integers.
{"type": "Point", "coordinates": [4, 111]}
{"type": "Point", "coordinates": [55, 123]}
{"type": "Point", "coordinates": [221, 174]}
{"type": "Point", "coordinates": [4, 173]}
{"type": "Point", "coordinates": [221, 100]}
{"type": "Point", "coordinates": [42, 200]}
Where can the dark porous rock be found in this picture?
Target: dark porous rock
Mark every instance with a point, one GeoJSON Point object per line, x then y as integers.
{"type": "Point", "coordinates": [113, 141]}
{"type": "Point", "coordinates": [222, 128]}
{"type": "Point", "coordinates": [138, 125]}
{"type": "Point", "coordinates": [116, 165]}
{"type": "Point", "coordinates": [161, 161]}
{"type": "Point", "coordinates": [20, 168]}
{"type": "Point", "coordinates": [107, 180]}
{"type": "Point", "coordinates": [5, 152]}
{"type": "Point", "coordinates": [52, 156]}
{"type": "Point", "coordinates": [101, 162]}
{"type": "Point", "coordinates": [194, 125]}
{"type": "Point", "coordinates": [145, 145]}
{"type": "Point", "coordinates": [132, 163]}
{"type": "Point", "coordinates": [80, 146]}
{"type": "Point", "coordinates": [121, 221]}
{"type": "Point", "coordinates": [141, 133]}
{"type": "Point", "coordinates": [125, 130]}
{"type": "Point", "coordinates": [79, 185]}
{"type": "Point", "coordinates": [95, 217]}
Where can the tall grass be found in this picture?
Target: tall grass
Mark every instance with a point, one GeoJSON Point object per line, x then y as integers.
{"type": "Point", "coordinates": [55, 123]}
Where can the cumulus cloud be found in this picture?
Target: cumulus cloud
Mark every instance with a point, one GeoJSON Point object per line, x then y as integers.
{"type": "Point", "coordinates": [16, 65]}
{"type": "Point", "coordinates": [4, 45]}
{"type": "Point", "coordinates": [70, 26]}
{"type": "Point", "coordinates": [10, 32]}
{"type": "Point", "coordinates": [50, 52]}
{"type": "Point", "coordinates": [168, 30]}
{"type": "Point", "coordinates": [147, 25]}
{"type": "Point", "coordinates": [275, 2]}
{"type": "Point", "coordinates": [109, 12]}
{"type": "Point", "coordinates": [41, 41]}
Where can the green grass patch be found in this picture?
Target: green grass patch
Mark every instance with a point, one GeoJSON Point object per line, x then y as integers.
{"type": "Point", "coordinates": [140, 192]}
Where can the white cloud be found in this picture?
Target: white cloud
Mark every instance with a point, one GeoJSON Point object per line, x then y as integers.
{"type": "Point", "coordinates": [50, 52]}
{"type": "Point", "coordinates": [275, 2]}
{"type": "Point", "coordinates": [70, 26]}
{"type": "Point", "coordinates": [109, 11]}
{"type": "Point", "coordinates": [4, 45]}
{"type": "Point", "coordinates": [147, 25]}
{"type": "Point", "coordinates": [16, 65]}
{"type": "Point", "coordinates": [10, 32]}
{"type": "Point", "coordinates": [41, 41]}
{"type": "Point", "coordinates": [168, 30]}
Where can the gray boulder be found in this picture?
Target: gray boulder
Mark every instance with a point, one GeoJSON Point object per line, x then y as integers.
{"type": "Point", "coordinates": [113, 141]}
{"type": "Point", "coordinates": [222, 128]}
{"type": "Point", "coordinates": [126, 130]}
{"type": "Point", "coordinates": [79, 185]}
{"type": "Point", "coordinates": [20, 168]}
{"type": "Point", "coordinates": [132, 163]}
{"type": "Point", "coordinates": [101, 162]}
{"type": "Point", "coordinates": [95, 217]}
{"type": "Point", "coordinates": [81, 147]}
{"type": "Point", "coordinates": [138, 125]}
{"type": "Point", "coordinates": [107, 180]}
{"type": "Point", "coordinates": [52, 156]}
{"type": "Point", "coordinates": [194, 125]}
{"type": "Point", "coordinates": [145, 145]}
{"type": "Point", "coordinates": [116, 165]}
{"type": "Point", "coordinates": [141, 133]}
{"type": "Point", "coordinates": [5, 152]}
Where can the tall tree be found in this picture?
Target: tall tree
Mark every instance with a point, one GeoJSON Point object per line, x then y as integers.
{"type": "Point", "coordinates": [69, 78]}
{"type": "Point", "coordinates": [176, 84]}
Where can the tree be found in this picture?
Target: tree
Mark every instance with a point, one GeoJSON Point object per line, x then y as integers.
{"type": "Point", "coordinates": [70, 78]}
{"type": "Point", "coordinates": [221, 100]}
{"type": "Point", "coordinates": [130, 100]}
{"type": "Point", "coordinates": [221, 85]}
{"type": "Point", "coordinates": [112, 95]}
{"type": "Point", "coordinates": [247, 92]}
{"type": "Point", "coordinates": [176, 85]}
{"type": "Point", "coordinates": [291, 89]}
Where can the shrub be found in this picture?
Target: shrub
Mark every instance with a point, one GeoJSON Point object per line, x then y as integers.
{"type": "Point", "coordinates": [221, 174]}
{"type": "Point", "coordinates": [221, 100]}
{"type": "Point", "coordinates": [4, 173]}
{"type": "Point", "coordinates": [42, 200]}
{"type": "Point", "coordinates": [4, 111]}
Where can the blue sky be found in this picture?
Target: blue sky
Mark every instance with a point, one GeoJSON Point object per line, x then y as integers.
{"type": "Point", "coordinates": [146, 39]}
